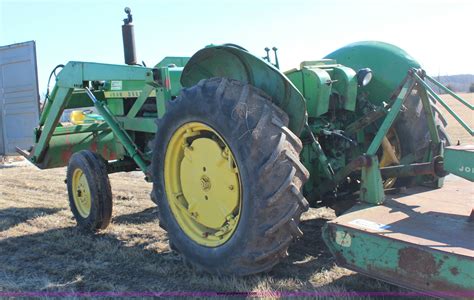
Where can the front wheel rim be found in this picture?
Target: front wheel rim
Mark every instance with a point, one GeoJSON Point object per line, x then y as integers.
{"type": "Point", "coordinates": [81, 193]}
{"type": "Point", "coordinates": [202, 183]}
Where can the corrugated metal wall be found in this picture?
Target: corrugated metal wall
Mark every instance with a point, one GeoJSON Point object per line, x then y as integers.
{"type": "Point", "coordinates": [19, 97]}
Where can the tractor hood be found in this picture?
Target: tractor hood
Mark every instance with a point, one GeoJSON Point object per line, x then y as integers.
{"type": "Point", "coordinates": [388, 63]}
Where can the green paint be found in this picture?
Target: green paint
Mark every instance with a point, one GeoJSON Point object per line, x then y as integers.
{"type": "Point", "coordinates": [430, 120]}
{"type": "Point", "coordinates": [80, 129]}
{"type": "Point", "coordinates": [346, 86]}
{"type": "Point", "coordinates": [110, 81]}
{"type": "Point", "coordinates": [62, 146]}
{"type": "Point", "coordinates": [121, 134]}
{"type": "Point", "coordinates": [371, 186]}
{"type": "Point", "coordinates": [235, 63]}
{"type": "Point", "coordinates": [460, 161]}
{"type": "Point", "coordinates": [47, 106]}
{"type": "Point", "coordinates": [116, 106]}
{"type": "Point", "coordinates": [164, 92]}
{"type": "Point", "coordinates": [388, 63]}
{"type": "Point", "coordinates": [144, 94]}
{"type": "Point", "coordinates": [312, 82]}
{"type": "Point", "coordinates": [399, 262]}
{"type": "Point", "coordinates": [139, 124]}
{"type": "Point", "coordinates": [51, 121]}
{"type": "Point", "coordinates": [390, 118]}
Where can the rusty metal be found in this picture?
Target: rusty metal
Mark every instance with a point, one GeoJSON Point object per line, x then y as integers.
{"type": "Point", "coordinates": [435, 168]}
{"type": "Point", "coordinates": [417, 239]}
{"type": "Point", "coordinates": [415, 260]}
{"type": "Point", "coordinates": [125, 165]}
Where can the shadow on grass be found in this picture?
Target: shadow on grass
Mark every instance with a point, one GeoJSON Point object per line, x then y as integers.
{"type": "Point", "coordinates": [13, 216]}
{"type": "Point", "coordinates": [69, 259]}
{"type": "Point", "coordinates": [7, 166]}
{"type": "Point", "coordinates": [142, 217]}
{"type": "Point", "coordinates": [310, 256]}
{"type": "Point", "coordinates": [73, 260]}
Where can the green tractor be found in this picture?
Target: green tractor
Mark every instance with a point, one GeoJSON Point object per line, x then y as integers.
{"type": "Point", "coordinates": [237, 150]}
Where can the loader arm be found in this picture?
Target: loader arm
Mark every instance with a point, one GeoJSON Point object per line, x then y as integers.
{"type": "Point", "coordinates": [54, 144]}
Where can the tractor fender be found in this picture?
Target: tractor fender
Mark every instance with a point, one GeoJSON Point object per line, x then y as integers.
{"type": "Point", "coordinates": [388, 63]}
{"type": "Point", "coordinates": [234, 62]}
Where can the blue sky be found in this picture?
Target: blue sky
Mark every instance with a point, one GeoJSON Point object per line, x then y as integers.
{"type": "Point", "coordinates": [439, 33]}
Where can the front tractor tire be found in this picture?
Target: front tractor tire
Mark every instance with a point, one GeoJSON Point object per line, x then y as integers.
{"type": "Point", "coordinates": [227, 178]}
{"type": "Point", "coordinates": [89, 191]}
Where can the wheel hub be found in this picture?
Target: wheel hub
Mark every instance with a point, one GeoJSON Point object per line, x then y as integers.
{"type": "Point", "coordinates": [202, 184]}
{"type": "Point", "coordinates": [205, 183]}
{"type": "Point", "coordinates": [205, 163]}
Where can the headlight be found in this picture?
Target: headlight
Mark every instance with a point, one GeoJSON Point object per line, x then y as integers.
{"type": "Point", "coordinates": [364, 76]}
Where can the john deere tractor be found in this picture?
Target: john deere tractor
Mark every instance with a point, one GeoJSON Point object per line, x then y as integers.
{"type": "Point", "coordinates": [237, 150]}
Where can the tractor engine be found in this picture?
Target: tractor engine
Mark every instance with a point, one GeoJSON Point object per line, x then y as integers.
{"type": "Point", "coordinates": [333, 104]}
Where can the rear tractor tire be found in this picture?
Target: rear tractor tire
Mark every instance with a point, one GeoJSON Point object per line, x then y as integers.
{"type": "Point", "coordinates": [228, 178]}
{"type": "Point", "coordinates": [89, 192]}
{"type": "Point", "coordinates": [410, 135]}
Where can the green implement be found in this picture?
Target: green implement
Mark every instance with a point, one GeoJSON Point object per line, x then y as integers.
{"type": "Point", "coordinates": [420, 239]}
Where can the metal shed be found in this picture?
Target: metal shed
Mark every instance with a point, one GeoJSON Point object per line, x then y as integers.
{"type": "Point", "coordinates": [19, 97]}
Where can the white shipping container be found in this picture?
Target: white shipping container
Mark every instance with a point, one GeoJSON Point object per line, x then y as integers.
{"type": "Point", "coordinates": [19, 97]}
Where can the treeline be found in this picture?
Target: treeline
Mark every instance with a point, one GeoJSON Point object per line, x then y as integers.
{"type": "Point", "coordinates": [457, 83]}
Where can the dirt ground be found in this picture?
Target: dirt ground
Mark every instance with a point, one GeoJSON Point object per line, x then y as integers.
{"type": "Point", "coordinates": [42, 250]}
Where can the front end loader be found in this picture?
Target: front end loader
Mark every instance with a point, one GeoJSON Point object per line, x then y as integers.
{"type": "Point", "coordinates": [237, 150]}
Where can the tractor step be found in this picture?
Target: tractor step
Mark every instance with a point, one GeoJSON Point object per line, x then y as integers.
{"type": "Point", "coordinates": [421, 239]}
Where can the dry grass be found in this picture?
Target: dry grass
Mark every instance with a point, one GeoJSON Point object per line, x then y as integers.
{"type": "Point", "coordinates": [455, 130]}
{"type": "Point", "coordinates": [42, 250]}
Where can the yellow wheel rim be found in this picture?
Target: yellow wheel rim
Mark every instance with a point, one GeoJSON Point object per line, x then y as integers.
{"type": "Point", "coordinates": [202, 184]}
{"type": "Point", "coordinates": [81, 193]}
{"type": "Point", "coordinates": [391, 154]}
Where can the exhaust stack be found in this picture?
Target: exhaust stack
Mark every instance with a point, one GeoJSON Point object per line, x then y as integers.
{"type": "Point", "coordinates": [128, 37]}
